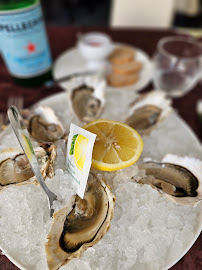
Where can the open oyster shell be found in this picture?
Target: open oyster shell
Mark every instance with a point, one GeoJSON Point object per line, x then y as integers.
{"type": "Point", "coordinates": [148, 110]}
{"type": "Point", "coordinates": [86, 98]}
{"type": "Point", "coordinates": [177, 178]}
{"type": "Point", "coordinates": [80, 224]}
{"type": "Point", "coordinates": [15, 168]}
{"type": "Point", "coordinates": [43, 125]}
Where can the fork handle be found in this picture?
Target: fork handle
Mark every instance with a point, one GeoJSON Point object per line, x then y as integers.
{"type": "Point", "coordinates": [23, 137]}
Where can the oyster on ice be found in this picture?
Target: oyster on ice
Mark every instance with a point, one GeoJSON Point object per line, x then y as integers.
{"type": "Point", "coordinates": [80, 224]}
{"type": "Point", "coordinates": [86, 98]}
{"type": "Point", "coordinates": [44, 126]}
{"type": "Point", "coordinates": [177, 178]}
{"type": "Point", "coordinates": [148, 110]}
{"type": "Point", "coordinates": [15, 168]}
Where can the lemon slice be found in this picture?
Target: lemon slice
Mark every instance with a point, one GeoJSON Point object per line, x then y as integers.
{"type": "Point", "coordinates": [80, 149]}
{"type": "Point", "coordinates": [117, 145]}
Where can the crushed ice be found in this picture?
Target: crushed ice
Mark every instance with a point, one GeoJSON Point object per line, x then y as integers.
{"type": "Point", "coordinates": [144, 229]}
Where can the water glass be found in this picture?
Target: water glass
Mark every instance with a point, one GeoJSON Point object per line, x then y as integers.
{"type": "Point", "coordinates": [177, 65]}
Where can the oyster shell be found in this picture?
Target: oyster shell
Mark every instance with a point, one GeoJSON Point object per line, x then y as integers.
{"type": "Point", "coordinates": [86, 98]}
{"type": "Point", "coordinates": [148, 110]}
{"type": "Point", "coordinates": [15, 168]}
{"type": "Point", "coordinates": [177, 178]}
{"type": "Point", "coordinates": [80, 224]}
{"type": "Point", "coordinates": [44, 126]}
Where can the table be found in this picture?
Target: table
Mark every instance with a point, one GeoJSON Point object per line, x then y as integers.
{"type": "Point", "coordinates": [62, 38]}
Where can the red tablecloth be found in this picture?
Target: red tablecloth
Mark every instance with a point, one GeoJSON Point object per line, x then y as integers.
{"type": "Point", "coordinates": [62, 38]}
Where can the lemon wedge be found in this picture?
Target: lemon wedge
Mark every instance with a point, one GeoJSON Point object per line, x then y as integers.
{"type": "Point", "coordinates": [117, 145]}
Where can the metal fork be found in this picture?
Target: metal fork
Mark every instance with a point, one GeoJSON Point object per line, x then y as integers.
{"type": "Point", "coordinates": [18, 102]}
{"type": "Point", "coordinates": [23, 137]}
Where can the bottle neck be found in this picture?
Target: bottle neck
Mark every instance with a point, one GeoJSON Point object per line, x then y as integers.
{"type": "Point", "coordinates": [16, 4]}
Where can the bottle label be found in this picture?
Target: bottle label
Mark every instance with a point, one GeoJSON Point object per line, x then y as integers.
{"type": "Point", "coordinates": [24, 45]}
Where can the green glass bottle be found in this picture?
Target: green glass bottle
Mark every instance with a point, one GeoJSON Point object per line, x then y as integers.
{"type": "Point", "coordinates": [23, 42]}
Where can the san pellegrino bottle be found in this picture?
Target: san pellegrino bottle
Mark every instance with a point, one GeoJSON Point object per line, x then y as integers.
{"type": "Point", "coordinates": [23, 42]}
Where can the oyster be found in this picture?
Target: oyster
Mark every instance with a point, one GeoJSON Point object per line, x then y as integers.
{"type": "Point", "coordinates": [86, 98]}
{"type": "Point", "coordinates": [15, 168]}
{"type": "Point", "coordinates": [80, 224]}
{"type": "Point", "coordinates": [178, 178]}
{"type": "Point", "coordinates": [44, 126]}
{"type": "Point", "coordinates": [148, 110]}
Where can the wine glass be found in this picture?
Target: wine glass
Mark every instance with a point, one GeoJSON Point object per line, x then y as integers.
{"type": "Point", "coordinates": [177, 65]}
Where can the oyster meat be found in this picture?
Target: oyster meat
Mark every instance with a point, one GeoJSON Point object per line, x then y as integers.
{"type": "Point", "coordinates": [178, 178]}
{"type": "Point", "coordinates": [44, 126]}
{"type": "Point", "coordinates": [15, 168]}
{"type": "Point", "coordinates": [86, 98]}
{"type": "Point", "coordinates": [80, 224]}
{"type": "Point", "coordinates": [148, 110]}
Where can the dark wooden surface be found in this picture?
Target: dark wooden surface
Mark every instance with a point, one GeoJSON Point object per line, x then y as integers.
{"type": "Point", "coordinates": [62, 38]}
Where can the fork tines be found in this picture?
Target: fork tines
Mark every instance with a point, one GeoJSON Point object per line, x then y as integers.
{"type": "Point", "coordinates": [1, 121]}
{"type": "Point", "coordinates": [16, 101]}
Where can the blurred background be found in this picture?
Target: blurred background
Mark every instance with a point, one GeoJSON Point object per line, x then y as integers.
{"type": "Point", "coordinates": [124, 13]}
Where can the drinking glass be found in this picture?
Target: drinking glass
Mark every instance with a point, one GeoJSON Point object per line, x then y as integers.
{"type": "Point", "coordinates": [177, 65]}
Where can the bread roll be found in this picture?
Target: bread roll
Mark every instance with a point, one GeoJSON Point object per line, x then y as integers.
{"type": "Point", "coordinates": [122, 55]}
{"type": "Point", "coordinates": [127, 68]}
{"type": "Point", "coordinates": [118, 80]}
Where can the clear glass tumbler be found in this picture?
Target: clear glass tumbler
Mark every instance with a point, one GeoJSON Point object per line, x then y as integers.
{"type": "Point", "coordinates": [177, 65]}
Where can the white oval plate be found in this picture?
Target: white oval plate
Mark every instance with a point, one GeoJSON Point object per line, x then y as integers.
{"type": "Point", "coordinates": [71, 62]}
{"type": "Point", "coordinates": [173, 124]}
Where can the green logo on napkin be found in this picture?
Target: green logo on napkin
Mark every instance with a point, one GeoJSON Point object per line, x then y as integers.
{"type": "Point", "coordinates": [71, 152]}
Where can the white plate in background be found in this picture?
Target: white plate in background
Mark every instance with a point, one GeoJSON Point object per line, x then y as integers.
{"type": "Point", "coordinates": [71, 61]}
